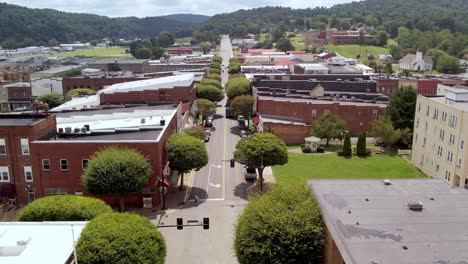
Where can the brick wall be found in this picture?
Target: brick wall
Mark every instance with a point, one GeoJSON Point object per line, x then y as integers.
{"type": "Point", "coordinates": [19, 93]}
{"type": "Point", "coordinates": [289, 133]}
{"type": "Point", "coordinates": [358, 118]}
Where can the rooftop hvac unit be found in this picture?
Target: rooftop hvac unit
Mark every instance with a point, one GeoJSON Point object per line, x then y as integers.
{"type": "Point", "coordinates": [60, 130]}
{"type": "Point", "coordinates": [143, 121]}
{"type": "Point", "coordinates": [68, 130]}
{"type": "Point", "coordinates": [162, 122]}
{"type": "Point", "coordinates": [77, 130]}
{"type": "Point", "coordinates": [83, 130]}
{"type": "Point", "coordinates": [87, 127]}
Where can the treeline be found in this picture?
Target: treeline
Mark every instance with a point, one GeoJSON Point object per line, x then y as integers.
{"type": "Point", "coordinates": [23, 26]}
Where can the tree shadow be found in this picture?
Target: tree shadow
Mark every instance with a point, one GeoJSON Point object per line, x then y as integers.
{"type": "Point", "coordinates": [241, 190]}
{"type": "Point", "coordinates": [218, 116]}
{"type": "Point", "coordinates": [197, 196]}
{"type": "Point", "coordinates": [235, 130]}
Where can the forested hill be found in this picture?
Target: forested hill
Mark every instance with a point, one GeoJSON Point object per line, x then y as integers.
{"type": "Point", "coordinates": [189, 18]}
{"type": "Point", "coordinates": [35, 25]}
{"type": "Point", "coordinates": [425, 15]}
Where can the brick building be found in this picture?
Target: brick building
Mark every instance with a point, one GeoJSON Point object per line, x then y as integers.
{"type": "Point", "coordinates": [295, 115]}
{"type": "Point", "coordinates": [19, 94]}
{"type": "Point", "coordinates": [59, 160]}
{"type": "Point", "coordinates": [171, 89]}
{"type": "Point", "coordinates": [133, 65]}
{"type": "Point", "coordinates": [423, 86]}
{"type": "Point", "coordinates": [95, 83]}
{"type": "Point", "coordinates": [17, 131]}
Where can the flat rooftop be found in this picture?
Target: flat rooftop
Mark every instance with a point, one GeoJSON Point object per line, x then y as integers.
{"type": "Point", "coordinates": [319, 101]}
{"type": "Point", "coordinates": [371, 223]}
{"type": "Point", "coordinates": [18, 119]}
{"type": "Point", "coordinates": [44, 242]}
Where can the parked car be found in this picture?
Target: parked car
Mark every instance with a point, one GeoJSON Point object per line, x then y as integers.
{"type": "Point", "coordinates": [250, 173]}
{"type": "Point", "coordinates": [22, 108]}
{"type": "Point", "coordinates": [208, 122]}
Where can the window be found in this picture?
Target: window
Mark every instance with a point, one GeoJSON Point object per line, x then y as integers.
{"type": "Point", "coordinates": [436, 114]}
{"type": "Point", "coordinates": [453, 121]}
{"type": "Point", "coordinates": [25, 146]}
{"type": "Point", "coordinates": [426, 126]}
{"type": "Point", "coordinates": [374, 113]}
{"type": "Point", "coordinates": [462, 142]}
{"type": "Point", "coordinates": [424, 142]}
{"type": "Point", "coordinates": [417, 122]}
{"type": "Point", "coordinates": [84, 163]}
{"type": "Point", "coordinates": [28, 174]}
{"type": "Point", "coordinates": [452, 139]}
{"type": "Point", "coordinates": [442, 134]}
{"type": "Point", "coordinates": [419, 107]}
{"type": "Point", "coordinates": [314, 113]}
{"type": "Point", "coordinates": [439, 151]}
{"type": "Point", "coordinates": [459, 161]}
{"type": "Point", "coordinates": [444, 116]}
{"type": "Point", "coordinates": [415, 138]}
{"type": "Point", "coordinates": [55, 191]}
{"type": "Point", "coordinates": [2, 147]}
{"type": "Point", "coordinates": [4, 174]}
{"type": "Point", "coordinates": [437, 168]}
{"type": "Point", "coordinates": [45, 165]}
{"type": "Point", "coordinates": [427, 111]}
{"type": "Point", "coordinates": [64, 164]}
{"type": "Point", "coordinates": [449, 156]}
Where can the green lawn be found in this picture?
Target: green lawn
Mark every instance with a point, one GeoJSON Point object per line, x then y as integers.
{"type": "Point", "coordinates": [110, 52]}
{"type": "Point", "coordinates": [302, 167]}
{"type": "Point", "coordinates": [350, 51]}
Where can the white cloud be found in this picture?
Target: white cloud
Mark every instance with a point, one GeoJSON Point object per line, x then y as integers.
{"type": "Point", "coordinates": [143, 8]}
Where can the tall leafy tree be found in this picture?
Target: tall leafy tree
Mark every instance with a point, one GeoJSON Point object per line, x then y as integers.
{"type": "Point", "coordinates": [209, 92]}
{"type": "Point", "coordinates": [166, 39]}
{"type": "Point", "coordinates": [402, 107]}
{"type": "Point", "coordinates": [52, 99]}
{"type": "Point", "coordinates": [329, 126]}
{"type": "Point", "coordinates": [185, 154]}
{"type": "Point", "coordinates": [284, 44]}
{"type": "Point", "coordinates": [388, 69]}
{"type": "Point", "coordinates": [205, 47]}
{"type": "Point", "coordinates": [347, 150]}
{"type": "Point", "coordinates": [237, 86]}
{"type": "Point", "coordinates": [261, 150]}
{"type": "Point", "coordinates": [448, 64]}
{"type": "Point", "coordinates": [243, 105]}
{"type": "Point", "coordinates": [116, 170]}
{"type": "Point", "coordinates": [205, 107]}
{"type": "Point", "coordinates": [383, 129]}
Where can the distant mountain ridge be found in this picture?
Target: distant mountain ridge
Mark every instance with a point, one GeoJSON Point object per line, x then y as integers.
{"type": "Point", "coordinates": [20, 23]}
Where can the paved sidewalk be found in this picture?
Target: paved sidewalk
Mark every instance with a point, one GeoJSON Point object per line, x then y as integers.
{"type": "Point", "coordinates": [268, 182]}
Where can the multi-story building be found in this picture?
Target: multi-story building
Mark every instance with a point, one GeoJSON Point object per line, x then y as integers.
{"type": "Point", "coordinates": [17, 131]}
{"type": "Point", "coordinates": [440, 132]}
{"type": "Point", "coordinates": [19, 95]}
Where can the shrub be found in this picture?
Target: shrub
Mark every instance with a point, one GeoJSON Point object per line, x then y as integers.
{"type": "Point", "coordinates": [121, 238]}
{"type": "Point", "coordinates": [197, 132]}
{"type": "Point", "coordinates": [63, 208]}
{"type": "Point", "coordinates": [215, 71]}
{"type": "Point", "coordinates": [306, 150]}
{"type": "Point", "coordinates": [209, 92]}
{"type": "Point", "coordinates": [339, 152]}
{"type": "Point", "coordinates": [212, 82]}
{"type": "Point", "coordinates": [320, 150]}
{"type": "Point", "coordinates": [347, 150]}
{"type": "Point", "coordinates": [52, 99]}
{"type": "Point", "coordinates": [368, 152]}
{"type": "Point", "coordinates": [214, 76]}
{"type": "Point", "coordinates": [237, 86]}
{"type": "Point", "coordinates": [215, 65]}
{"type": "Point", "coordinates": [282, 226]}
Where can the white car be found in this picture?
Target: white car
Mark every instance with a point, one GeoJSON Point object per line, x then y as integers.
{"type": "Point", "coordinates": [250, 174]}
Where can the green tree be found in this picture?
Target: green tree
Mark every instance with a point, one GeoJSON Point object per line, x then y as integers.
{"type": "Point", "coordinates": [121, 238]}
{"type": "Point", "coordinates": [435, 54]}
{"type": "Point", "coordinates": [405, 72]}
{"type": "Point", "coordinates": [196, 132]}
{"type": "Point", "coordinates": [212, 82]}
{"type": "Point", "coordinates": [166, 39]}
{"type": "Point", "coordinates": [361, 145]}
{"type": "Point", "coordinates": [261, 150]}
{"type": "Point", "coordinates": [347, 151]}
{"type": "Point", "coordinates": [406, 136]}
{"type": "Point", "coordinates": [281, 226]}
{"type": "Point", "coordinates": [402, 107]}
{"type": "Point", "coordinates": [382, 38]}
{"type": "Point", "coordinates": [116, 170]}
{"type": "Point", "coordinates": [396, 52]}
{"type": "Point", "coordinates": [329, 126]}
{"type": "Point", "coordinates": [52, 99]}
{"type": "Point", "coordinates": [79, 92]}
{"type": "Point", "coordinates": [63, 208]}
{"type": "Point", "coordinates": [284, 44]}
{"type": "Point", "coordinates": [205, 47]}
{"type": "Point", "coordinates": [217, 59]}
{"type": "Point", "coordinates": [214, 76]}
{"type": "Point", "coordinates": [185, 154]}
{"type": "Point", "coordinates": [242, 105]}
{"type": "Point", "coordinates": [52, 42]}
{"type": "Point", "coordinates": [9, 43]}
{"type": "Point", "coordinates": [214, 71]}
{"type": "Point", "coordinates": [143, 53]}
{"type": "Point", "coordinates": [388, 69]}
{"type": "Point", "coordinates": [205, 107]}
{"type": "Point", "coordinates": [237, 86]}
{"type": "Point", "coordinates": [383, 129]}
{"type": "Point", "coordinates": [157, 52]}
{"type": "Point", "coordinates": [209, 92]}
{"type": "Point", "coordinates": [448, 64]}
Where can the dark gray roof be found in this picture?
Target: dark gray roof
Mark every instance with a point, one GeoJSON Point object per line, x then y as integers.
{"type": "Point", "coordinates": [12, 119]}
{"type": "Point", "coordinates": [376, 230]}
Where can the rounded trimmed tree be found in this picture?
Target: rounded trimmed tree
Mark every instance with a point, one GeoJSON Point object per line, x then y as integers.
{"type": "Point", "coordinates": [120, 238]}
{"type": "Point", "coordinates": [212, 82]}
{"type": "Point", "coordinates": [261, 150]}
{"type": "Point", "coordinates": [185, 154]}
{"type": "Point", "coordinates": [243, 105]}
{"type": "Point", "coordinates": [52, 99]}
{"type": "Point", "coordinates": [63, 208]}
{"type": "Point", "coordinates": [197, 132]}
{"type": "Point", "coordinates": [281, 226]}
{"type": "Point", "coordinates": [209, 92]}
{"type": "Point", "coordinates": [237, 86]}
{"type": "Point", "coordinates": [205, 107]}
{"type": "Point", "coordinates": [116, 170]}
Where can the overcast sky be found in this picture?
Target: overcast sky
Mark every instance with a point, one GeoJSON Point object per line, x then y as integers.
{"type": "Point", "coordinates": [143, 8]}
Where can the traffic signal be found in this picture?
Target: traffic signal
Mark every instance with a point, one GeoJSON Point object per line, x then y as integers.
{"type": "Point", "coordinates": [180, 223]}
{"type": "Point", "coordinates": [233, 162]}
{"type": "Point", "coordinates": [206, 223]}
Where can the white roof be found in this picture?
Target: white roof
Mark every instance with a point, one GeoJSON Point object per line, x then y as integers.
{"type": "Point", "coordinates": [182, 80]}
{"type": "Point", "coordinates": [45, 242]}
{"type": "Point", "coordinates": [91, 70]}
{"type": "Point", "coordinates": [312, 139]}
{"type": "Point", "coordinates": [116, 120]}
{"type": "Point", "coordinates": [313, 66]}
{"type": "Point", "coordinates": [78, 103]}
{"type": "Point", "coordinates": [269, 56]}
{"type": "Point", "coordinates": [266, 67]}
{"type": "Point", "coordinates": [364, 67]}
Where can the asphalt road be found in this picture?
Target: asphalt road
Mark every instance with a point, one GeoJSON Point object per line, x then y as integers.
{"type": "Point", "coordinates": [217, 181]}
{"type": "Point", "coordinates": [221, 195]}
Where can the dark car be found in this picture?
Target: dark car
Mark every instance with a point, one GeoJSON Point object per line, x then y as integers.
{"type": "Point", "coordinates": [208, 122]}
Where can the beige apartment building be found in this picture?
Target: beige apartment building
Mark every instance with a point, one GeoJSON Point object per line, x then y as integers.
{"type": "Point", "coordinates": [440, 132]}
